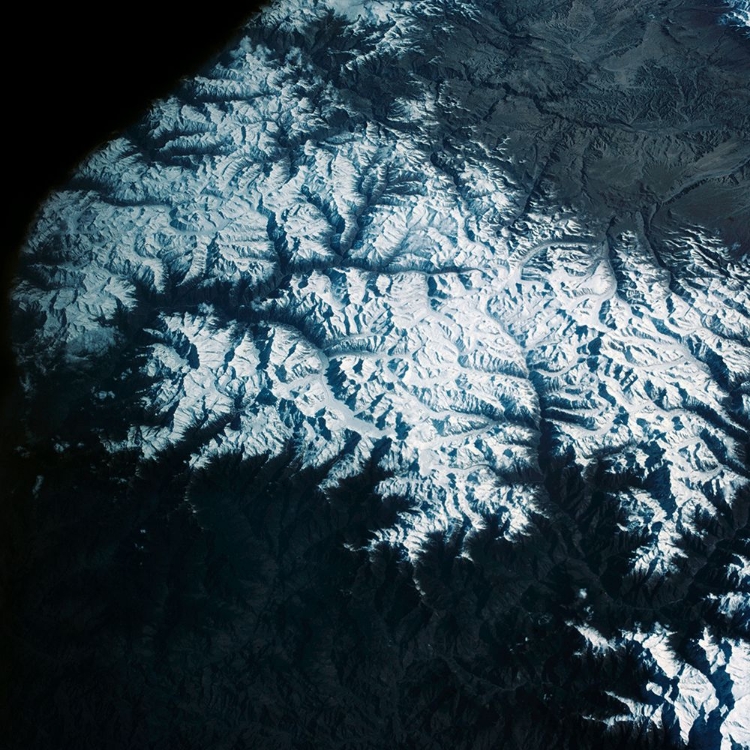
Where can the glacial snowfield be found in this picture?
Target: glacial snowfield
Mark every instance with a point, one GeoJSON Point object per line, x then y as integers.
{"type": "Point", "coordinates": [739, 14]}
{"type": "Point", "coordinates": [444, 304]}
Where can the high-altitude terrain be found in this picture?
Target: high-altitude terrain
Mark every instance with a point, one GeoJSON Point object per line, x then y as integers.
{"type": "Point", "coordinates": [389, 384]}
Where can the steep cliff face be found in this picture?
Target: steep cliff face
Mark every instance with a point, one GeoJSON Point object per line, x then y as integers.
{"type": "Point", "coordinates": [388, 383]}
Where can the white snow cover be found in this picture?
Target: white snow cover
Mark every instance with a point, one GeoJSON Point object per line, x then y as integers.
{"type": "Point", "coordinates": [740, 13]}
{"type": "Point", "coordinates": [352, 236]}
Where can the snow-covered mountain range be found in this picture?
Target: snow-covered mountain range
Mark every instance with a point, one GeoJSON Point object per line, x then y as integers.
{"type": "Point", "coordinates": [495, 255]}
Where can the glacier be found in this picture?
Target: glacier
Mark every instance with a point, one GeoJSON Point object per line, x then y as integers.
{"type": "Point", "coordinates": [740, 13]}
{"type": "Point", "coordinates": [480, 268]}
